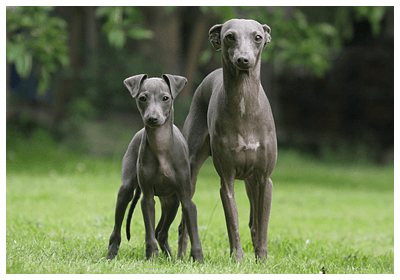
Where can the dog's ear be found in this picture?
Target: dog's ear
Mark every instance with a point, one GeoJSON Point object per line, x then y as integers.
{"type": "Point", "coordinates": [133, 84]}
{"type": "Point", "coordinates": [215, 36]}
{"type": "Point", "coordinates": [267, 32]}
{"type": "Point", "coordinates": [175, 83]}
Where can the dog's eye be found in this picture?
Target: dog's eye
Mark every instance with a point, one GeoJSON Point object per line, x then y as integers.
{"type": "Point", "coordinates": [230, 37]}
{"type": "Point", "coordinates": [258, 38]}
{"type": "Point", "coordinates": [142, 98]}
{"type": "Point", "coordinates": [165, 98]}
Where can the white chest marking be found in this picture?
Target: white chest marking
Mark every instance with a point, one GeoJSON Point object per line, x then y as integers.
{"type": "Point", "coordinates": [250, 144]}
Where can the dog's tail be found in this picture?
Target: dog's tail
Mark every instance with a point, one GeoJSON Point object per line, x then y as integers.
{"type": "Point", "coordinates": [133, 205]}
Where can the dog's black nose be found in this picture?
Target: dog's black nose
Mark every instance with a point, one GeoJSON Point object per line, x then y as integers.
{"type": "Point", "coordinates": [152, 120]}
{"type": "Point", "coordinates": [242, 61]}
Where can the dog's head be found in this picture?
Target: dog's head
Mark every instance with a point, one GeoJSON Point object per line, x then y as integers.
{"type": "Point", "coordinates": [242, 41]}
{"type": "Point", "coordinates": [154, 96]}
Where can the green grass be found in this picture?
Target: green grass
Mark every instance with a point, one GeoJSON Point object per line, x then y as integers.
{"type": "Point", "coordinates": [60, 209]}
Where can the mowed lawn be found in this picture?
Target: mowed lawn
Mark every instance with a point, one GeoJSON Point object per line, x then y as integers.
{"type": "Point", "coordinates": [331, 218]}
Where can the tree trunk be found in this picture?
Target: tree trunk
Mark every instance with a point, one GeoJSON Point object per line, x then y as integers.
{"type": "Point", "coordinates": [68, 84]}
{"type": "Point", "coordinates": [198, 36]}
{"type": "Point", "coordinates": [91, 38]}
{"type": "Point", "coordinates": [166, 49]}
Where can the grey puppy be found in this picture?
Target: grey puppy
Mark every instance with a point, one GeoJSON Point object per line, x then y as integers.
{"type": "Point", "coordinates": [230, 118]}
{"type": "Point", "coordinates": [156, 163]}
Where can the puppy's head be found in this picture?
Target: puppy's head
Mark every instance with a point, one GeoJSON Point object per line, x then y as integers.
{"type": "Point", "coordinates": [154, 96]}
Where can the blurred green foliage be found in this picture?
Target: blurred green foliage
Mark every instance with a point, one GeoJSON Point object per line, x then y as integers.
{"type": "Point", "coordinates": [122, 22]}
{"type": "Point", "coordinates": [35, 36]}
{"type": "Point", "coordinates": [374, 16]}
{"type": "Point", "coordinates": [300, 42]}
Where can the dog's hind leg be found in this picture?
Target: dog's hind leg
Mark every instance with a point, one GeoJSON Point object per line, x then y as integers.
{"type": "Point", "coordinates": [195, 131]}
{"type": "Point", "coordinates": [125, 193]}
{"type": "Point", "coordinates": [169, 208]}
{"type": "Point", "coordinates": [195, 166]}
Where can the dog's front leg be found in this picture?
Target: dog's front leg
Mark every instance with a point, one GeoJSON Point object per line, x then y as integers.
{"type": "Point", "coordinates": [148, 212]}
{"type": "Point", "coordinates": [169, 207]}
{"type": "Point", "coordinates": [263, 210]}
{"type": "Point", "coordinates": [231, 216]}
{"type": "Point", "coordinates": [253, 195]}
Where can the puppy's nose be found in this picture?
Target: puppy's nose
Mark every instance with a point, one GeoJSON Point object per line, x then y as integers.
{"type": "Point", "coordinates": [152, 119]}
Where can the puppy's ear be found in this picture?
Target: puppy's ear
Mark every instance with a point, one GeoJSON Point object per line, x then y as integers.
{"type": "Point", "coordinates": [133, 84]}
{"type": "Point", "coordinates": [267, 32]}
{"type": "Point", "coordinates": [175, 83]}
{"type": "Point", "coordinates": [215, 36]}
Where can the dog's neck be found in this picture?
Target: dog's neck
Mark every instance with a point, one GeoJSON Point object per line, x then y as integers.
{"type": "Point", "coordinates": [160, 138]}
{"type": "Point", "coordinates": [242, 88]}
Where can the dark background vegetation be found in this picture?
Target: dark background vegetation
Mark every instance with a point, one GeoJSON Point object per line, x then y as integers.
{"type": "Point", "coordinates": [328, 72]}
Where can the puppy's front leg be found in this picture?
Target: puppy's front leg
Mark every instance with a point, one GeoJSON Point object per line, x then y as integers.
{"type": "Point", "coordinates": [148, 212]}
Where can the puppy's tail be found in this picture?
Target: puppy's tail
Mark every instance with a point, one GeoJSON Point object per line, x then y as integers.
{"type": "Point", "coordinates": [133, 205]}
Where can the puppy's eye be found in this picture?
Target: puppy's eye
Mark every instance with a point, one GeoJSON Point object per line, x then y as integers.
{"type": "Point", "coordinates": [165, 98]}
{"type": "Point", "coordinates": [143, 98]}
{"type": "Point", "coordinates": [230, 37]}
{"type": "Point", "coordinates": [258, 38]}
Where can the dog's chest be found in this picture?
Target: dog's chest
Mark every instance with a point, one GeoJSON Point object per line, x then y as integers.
{"type": "Point", "coordinates": [240, 143]}
{"type": "Point", "coordinates": [241, 129]}
{"type": "Point", "coordinates": [159, 176]}
{"type": "Point", "coordinates": [239, 148]}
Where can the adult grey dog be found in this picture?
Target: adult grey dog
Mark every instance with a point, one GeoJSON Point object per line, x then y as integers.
{"type": "Point", "coordinates": [156, 163]}
{"type": "Point", "coordinates": [230, 118]}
